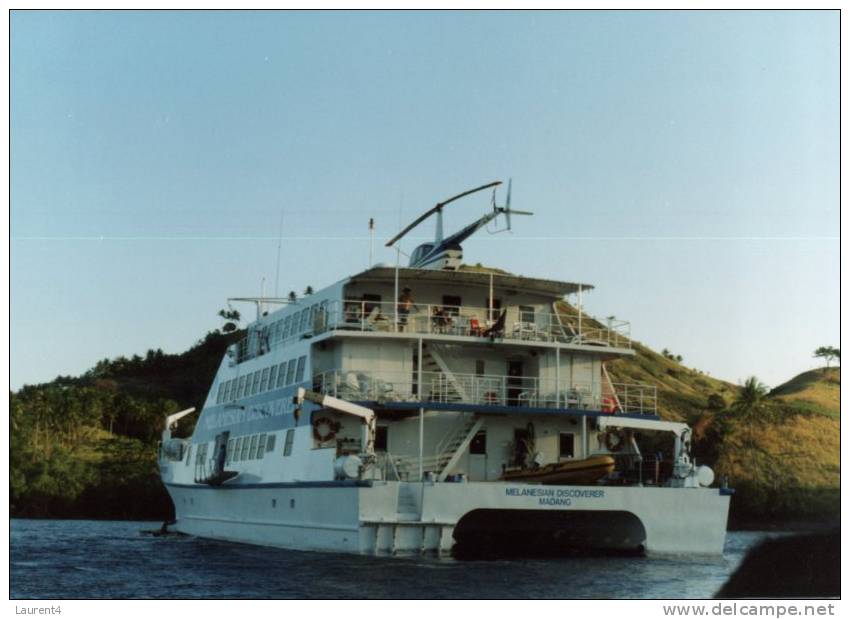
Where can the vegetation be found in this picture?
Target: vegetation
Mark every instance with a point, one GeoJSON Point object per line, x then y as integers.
{"type": "Point", "coordinates": [828, 353]}
{"type": "Point", "coordinates": [86, 447]}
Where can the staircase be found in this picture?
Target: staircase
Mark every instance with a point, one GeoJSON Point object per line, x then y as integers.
{"type": "Point", "coordinates": [445, 386]}
{"type": "Point", "coordinates": [449, 453]}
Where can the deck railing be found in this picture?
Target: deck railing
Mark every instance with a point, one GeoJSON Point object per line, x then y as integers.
{"type": "Point", "coordinates": [522, 323]}
{"type": "Point", "coordinates": [495, 390]}
{"type": "Point", "coordinates": [519, 322]}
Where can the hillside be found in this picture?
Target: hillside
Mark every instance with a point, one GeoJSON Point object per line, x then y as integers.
{"type": "Point", "coordinates": [817, 389]}
{"type": "Point", "coordinates": [85, 446]}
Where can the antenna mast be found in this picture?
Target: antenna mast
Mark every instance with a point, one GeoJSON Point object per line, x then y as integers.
{"type": "Point", "coordinates": [279, 239]}
{"type": "Point", "coordinates": [371, 239]}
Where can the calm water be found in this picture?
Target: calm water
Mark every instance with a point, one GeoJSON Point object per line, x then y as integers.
{"type": "Point", "coordinates": [97, 559]}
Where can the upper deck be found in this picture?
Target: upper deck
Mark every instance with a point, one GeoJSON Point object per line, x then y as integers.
{"type": "Point", "coordinates": [460, 306]}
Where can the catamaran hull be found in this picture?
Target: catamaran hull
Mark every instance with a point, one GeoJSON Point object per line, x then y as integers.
{"type": "Point", "coordinates": [400, 517]}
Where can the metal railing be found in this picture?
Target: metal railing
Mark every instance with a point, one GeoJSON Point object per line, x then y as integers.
{"type": "Point", "coordinates": [496, 390]}
{"type": "Point", "coordinates": [519, 322]}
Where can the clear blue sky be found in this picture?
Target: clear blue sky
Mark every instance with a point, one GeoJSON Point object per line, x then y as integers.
{"type": "Point", "coordinates": [687, 164]}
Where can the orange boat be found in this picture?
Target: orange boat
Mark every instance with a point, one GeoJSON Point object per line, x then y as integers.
{"type": "Point", "coordinates": [585, 471]}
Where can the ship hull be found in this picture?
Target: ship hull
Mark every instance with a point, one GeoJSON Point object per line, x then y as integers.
{"type": "Point", "coordinates": [399, 517]}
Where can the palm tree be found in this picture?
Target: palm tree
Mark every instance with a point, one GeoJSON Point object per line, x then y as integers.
{"type": "Point", "coordinates": [751, 395]}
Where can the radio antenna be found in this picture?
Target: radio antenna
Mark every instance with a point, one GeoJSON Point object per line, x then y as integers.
{"type": "Point", "coordinates": [279, 240]}
{"type": "Point", "coordinates": [371, 239]}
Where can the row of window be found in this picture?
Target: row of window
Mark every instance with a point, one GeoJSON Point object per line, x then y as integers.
{"type": "Point", "coordinates": [245, 448]}
{"type": "Point", "coordinates": [297, 323]}
{"type": "Point", "coordinates": [281, 375]}
{"type": "Point", "coordinates": [249, 447]}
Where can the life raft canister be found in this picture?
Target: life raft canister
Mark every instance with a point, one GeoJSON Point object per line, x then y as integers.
{"type": "Point", "coordinates": [331, 428]}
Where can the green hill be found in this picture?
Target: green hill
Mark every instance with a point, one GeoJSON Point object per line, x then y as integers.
{"type": "Point", "coordinates": [818, 389]}
{"type": "Point", "coordinates": [85, 446]}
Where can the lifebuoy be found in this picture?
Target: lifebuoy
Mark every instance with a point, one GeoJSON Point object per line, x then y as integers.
{"type": "Point", "coordinates": [490, 397]}
{"type": "Point", "coordinates": [614, 441]}
{"type": "Point", "coordinates": [331, 425]}
{"type": "Point", "coordinates": [608, 405]}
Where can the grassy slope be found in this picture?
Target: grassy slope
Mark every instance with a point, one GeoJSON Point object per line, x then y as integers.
{"type": "Point", "coordinates": [818, 390]}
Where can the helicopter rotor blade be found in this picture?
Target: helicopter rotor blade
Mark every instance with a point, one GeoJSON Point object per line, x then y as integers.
{"type": "Point", "coordinates": [436, 208]}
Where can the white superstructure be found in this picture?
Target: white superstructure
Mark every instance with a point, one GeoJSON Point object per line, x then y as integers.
{"type": "Point", "coordinates": [436, 398]}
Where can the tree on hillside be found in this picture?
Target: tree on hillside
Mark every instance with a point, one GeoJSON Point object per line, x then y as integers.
{"type": "Point", "coordinates": [751, 396]}
{"type": "Point", "coordinates": [230, 314]}
{"type": "Point", "coordinates": [829, 353]}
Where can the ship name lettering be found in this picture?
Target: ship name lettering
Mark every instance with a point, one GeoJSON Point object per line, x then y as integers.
{"type": "Point", "coordinates": [557, 493]}
{"type": "Point", "coordinates": [38, 610]}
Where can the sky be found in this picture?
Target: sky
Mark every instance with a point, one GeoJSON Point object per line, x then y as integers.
{"type": "Point", "coordinates": [684, 163]}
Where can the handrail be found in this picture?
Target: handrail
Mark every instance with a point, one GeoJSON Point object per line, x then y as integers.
{"type": "Point", "coordinates": [463, 320]}
{"type": "Point", "coordinates": [487, 389]}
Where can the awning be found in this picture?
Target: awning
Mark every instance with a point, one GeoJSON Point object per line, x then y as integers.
{"type": "Point", "coordinates": [480, 279]}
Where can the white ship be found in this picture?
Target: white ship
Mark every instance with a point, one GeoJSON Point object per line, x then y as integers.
{"type": "Point", "coordinates": [437, 407]}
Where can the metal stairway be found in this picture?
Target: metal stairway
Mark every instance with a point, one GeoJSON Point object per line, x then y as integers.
{"type": "Point", "coordinates": [446, 388]}
{"type": "Point", "coordinates": [451, 452]}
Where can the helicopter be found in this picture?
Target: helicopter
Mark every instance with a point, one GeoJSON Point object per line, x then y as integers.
{"type": "Point", "coordinates": [446, 253]}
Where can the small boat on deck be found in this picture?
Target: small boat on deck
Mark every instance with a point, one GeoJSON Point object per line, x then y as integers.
{"type": "Point", "coordinates": [585, 471]}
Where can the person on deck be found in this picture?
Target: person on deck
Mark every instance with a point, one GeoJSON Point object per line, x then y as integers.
{"type": "Point", "coordinates": [405, 304]}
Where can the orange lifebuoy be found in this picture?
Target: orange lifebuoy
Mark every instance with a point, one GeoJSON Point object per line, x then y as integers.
{"type": "Point", "coordinates": [490, 397]}
{"type": "Point", "coordinates": [332, 429]}
{"type": "Point", "coordinates": [608, 405]}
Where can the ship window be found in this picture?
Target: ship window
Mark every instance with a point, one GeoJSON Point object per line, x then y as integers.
{"type": "Point", "coordinates": [237, 449]}
{"type": "Point", "coordinates": [451, 304]}
{"type": "Point", "coordinates": [299, 373]}
{"type": "Point", "coordinates": [302, 320]}
{"type": "Point", "coordinates": [227, 391]}
{"type": "Point", "coordinates": [381, 435]}
{"type": "Point", "coordinates": [281, 374]}
{"type": "Point", "coordinates": [478, 446]}
{"type": "Point", "coordinates": [200, 457]}
{"type": "Point", "coordinates": [246, 444]}
{"type": "Point", "coordinates": [220, 393]}
{"type": "Point", "coordinates": [270, 442]}
{"type": "Point", "coordinates": [261, 446]}
{"type": "Point", "coordinates": [264, 381]}
{"type": "Point", "coordinates": [240, 391]}
{"type": "Point", "coordinates": [287, 444]}
{"type": "Point", "coordinates": [290, 372]}
{"type": "Point", "coordinates": [272, 376]}
{"type": "Point", "coordinates": [479, 367]}
{"type": "Point", "coordinates": [255, 384]}
{"type": "Point", "coordinates": [252, 451]}
{"type": "Point", "coordinates": [568, 445]}
{"type": "Point", "coordinates": [229, 451]}
{"type": "Point", "coordinates": [287, 322]}
{"type": "Point", "coordinates": [526, 314]}
{"type": "Point", "coordinates": [188, 455]}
